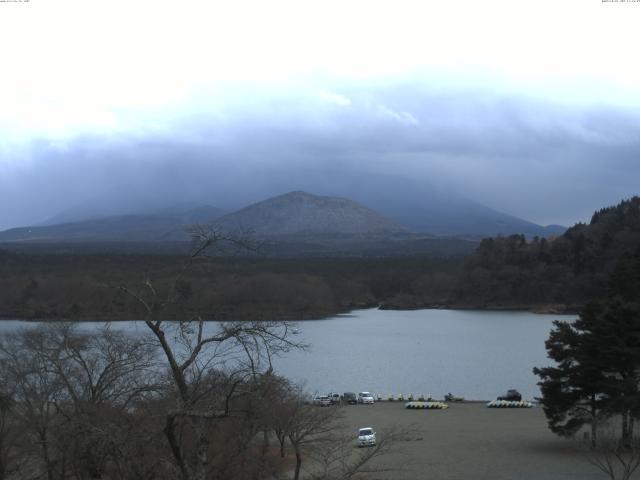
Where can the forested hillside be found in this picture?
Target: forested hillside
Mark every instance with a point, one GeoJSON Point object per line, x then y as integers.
{"type": "Point", "coordinates": [567, 270]}
{"type": "Point", "coordinates": [559, 274]}
{"type": "Point", "coordinates": [77, 286]}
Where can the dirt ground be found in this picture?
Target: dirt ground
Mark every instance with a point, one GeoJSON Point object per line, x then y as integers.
{"type": "Point", "coordinates": [469, 441]}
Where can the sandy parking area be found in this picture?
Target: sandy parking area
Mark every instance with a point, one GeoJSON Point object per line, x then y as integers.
{"type": "Point", "coordinates": [469, 441]}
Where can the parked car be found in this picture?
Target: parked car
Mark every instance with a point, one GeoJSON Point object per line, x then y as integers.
{"type": "Point", "coordinates": [366, 437]}
{"type": "Point", "coordinates": [511, 395]}
{"type": "Point", "coordinates": [350, 398]}
{"type": "Point", "coordinates": [335, 398]}
{"type": "Point", "coordinates": [450, 397]}
{"type": "Point", "coordinates": [365, 398]}
{"type": "Point", "coordinates": [322, 400]}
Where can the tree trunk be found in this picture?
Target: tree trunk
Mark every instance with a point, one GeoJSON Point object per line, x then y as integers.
{"type": "Point", "coordinates": [265, 442]}
{"type": "Point", "coordinates": [45, 455]}
{"type": "Point", "coordinates": [170, 433]}
{"type": "Point", "coordinates": [625, 428]}
{"type": "Point", "coordinates": [594, 422]}
{"type": "Point", "coordinates": [203, 456]}
{"type": "Point", "coordinates": [298, 464]}
{"type": "Point", "coordinates": [3, 468]}
{"type": "Point", "coordinates": [93, 467]}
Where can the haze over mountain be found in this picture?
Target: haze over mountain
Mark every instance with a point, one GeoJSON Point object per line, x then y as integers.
{"type": "Point", "coordinates": [190, 212]}
{"type": "Point", "coordinates": [117, 228]}
{"type": "Point", "coordinates": [297, 213]}
{"type": "Point", "coordinates": [541, 127]}
{"type": "Point", "coordinates": [421, 206]}
{"type": "Point", "coordinates": [425, 207]}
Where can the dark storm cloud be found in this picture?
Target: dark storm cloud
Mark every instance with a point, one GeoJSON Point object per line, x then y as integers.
{"type": "Point", "coordinates": [547, 162]}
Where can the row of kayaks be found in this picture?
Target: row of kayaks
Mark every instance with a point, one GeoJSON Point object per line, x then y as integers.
{"type": "Point", "coordinates": [494, 404]}
{"type": "Point", "coordinates": [401, 398]}
{"type": "Point", "coordinates": [426, 405]}
{"type": "Point", "coordinates": [509, 404]}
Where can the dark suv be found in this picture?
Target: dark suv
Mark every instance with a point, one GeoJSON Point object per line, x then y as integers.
{"type": "Point", "coordinates": [511, 395]}
{"type": "Point", "coordinates": [350, 398]}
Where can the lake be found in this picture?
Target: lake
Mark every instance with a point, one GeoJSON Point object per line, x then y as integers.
{"type": "Point", "coordinates": [476, 354]}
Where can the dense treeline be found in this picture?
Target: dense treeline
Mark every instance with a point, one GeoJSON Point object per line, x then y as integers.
{"type": "Point", "coordinates": [568, 270]}
{"type": "Point", "coordinates": [556, 274]}
{"type": "Point", "coordinates": [77, 286]}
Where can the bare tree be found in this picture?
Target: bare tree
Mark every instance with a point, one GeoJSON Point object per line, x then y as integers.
{"type": "Point", "coordinates": [10, 459]}
{"type": "Point", "coordinates": [193, 347]}
{"type": "Point", "coordinates": [338, 459]}
{"type": "Point", "coordinates": [73, 392]}
{"type": "Point", "coordinates": [90, 404]}
{"type": "Point", "coordinates": [36, 390]}
{"type": "Point", "coordinates": [280, 414]}
{"type": "Point", "coordinates": [614, 457]}
{"type": "Point", "coordinates": [102, 375]}
{"type": "Point", "coordinates": [309, 425]}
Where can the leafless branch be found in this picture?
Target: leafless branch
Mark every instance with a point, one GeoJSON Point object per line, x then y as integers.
{"type": "Point", "coordinates": [614, 458]}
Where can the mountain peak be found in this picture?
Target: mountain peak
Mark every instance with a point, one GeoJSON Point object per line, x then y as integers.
{"type": "Point", "coordinates": [301, 195]}
{"type": "Point", "coordinates": [302, 213]}
{"type": "Point", "coordinates": [297, 193]}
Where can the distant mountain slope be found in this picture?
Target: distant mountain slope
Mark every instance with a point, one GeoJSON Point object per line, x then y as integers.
{"type": "Point", "coordinates": [302, 222]}
{"type": "Point", "coordinates": [120, 228]}
{"type": "Point", "coordinates": [466, 217]}
{"type": "Point", "coordinates": [421, 205]}
{"type": "Point", "coordinates": [301, 213]}
{"type": "Point", "coordinates": [292, 214]}
{"type": "Point", "coordinates": [424, 207]}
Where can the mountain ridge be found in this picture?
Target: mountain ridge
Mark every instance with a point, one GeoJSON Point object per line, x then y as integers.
{"type": "Point", "coordinates": [292, 214]}
{"type": "Point", "coordinates": [127, 227]}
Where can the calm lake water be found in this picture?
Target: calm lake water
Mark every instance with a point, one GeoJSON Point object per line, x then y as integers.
{"type": "Point", "coordinates": [476, 354]}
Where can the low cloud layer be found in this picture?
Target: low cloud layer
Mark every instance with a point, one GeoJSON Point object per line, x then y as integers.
{"type": "Point", "coordinates": [543, 160]}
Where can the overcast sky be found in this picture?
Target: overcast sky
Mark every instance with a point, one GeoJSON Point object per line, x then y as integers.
{"type": "Point", "coordinates": [532, 108]}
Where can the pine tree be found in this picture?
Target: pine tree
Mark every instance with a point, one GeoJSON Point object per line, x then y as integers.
{"type": "Point", "coordinates": [597, 372]}
{"type": "Point", "coordinates": [573, 392]}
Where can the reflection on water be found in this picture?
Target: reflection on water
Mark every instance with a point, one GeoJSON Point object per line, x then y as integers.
{"type": "Point", "coordinates": [475, 354]}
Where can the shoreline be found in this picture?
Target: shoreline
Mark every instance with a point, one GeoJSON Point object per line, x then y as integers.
{"type": "Point", "coordinates": [539, 310]}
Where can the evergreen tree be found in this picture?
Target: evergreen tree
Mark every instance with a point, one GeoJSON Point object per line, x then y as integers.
{"type": "Point", "coordinates": [573, 392]}
{"type": "Point", "coordinates": [597, 357]}
{"type": "Point", "coordinates": [618, 328]}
